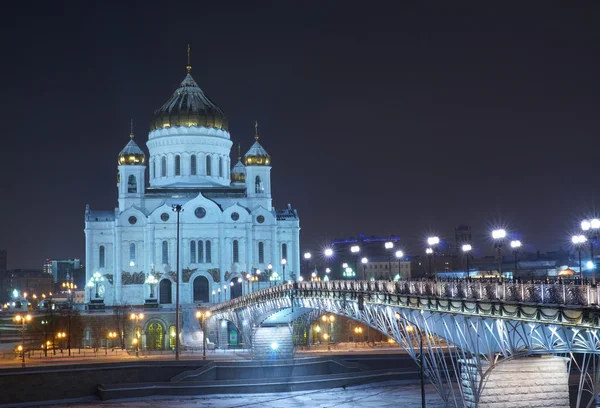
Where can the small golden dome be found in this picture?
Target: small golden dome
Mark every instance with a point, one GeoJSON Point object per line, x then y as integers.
{"type": "Point", "coordinates": [131, 154]}
{"type": "Point", "coordinates": [257, 155]}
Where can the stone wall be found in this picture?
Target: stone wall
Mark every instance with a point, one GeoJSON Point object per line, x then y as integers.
{"type": "Point", "coordinates": [525, 382]}
{"type": "Point", "coordinates": [264, 338]}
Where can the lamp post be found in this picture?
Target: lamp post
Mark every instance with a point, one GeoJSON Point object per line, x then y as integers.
{"type": "Point", "coordinates": [136, 333]}
{"type": "Point", "coordinates": [389, 246]}
{"type": "Point", "coordinates": [364, 262]}
{"type": "Point", "coordinates": [283, 263]}
{"type": "Point", "coordinates": [399, 256]}
{"type": "Point", "coordinates": [433, 243]}
{"type": "Point", "coordinates": [328, 320]}
{"type": "Point", "coordinates": [466, 248]}
{"type": "Point", "coordinates": [307, 256]}
{"type": "Point", "coordinates": [97, 278]}
{"type": "Point", "coordinates": [579, 242]}
{"type": "Point", "coordinates": [499, 236]}
{"type": "Point", "coordinates": [429, 252]}
{"type": "Point", "coordinates": [178, 209]}
{"type": "Point", "coordinates": [355, 249]}
{"type": "Point", "coordinates": [270, 272]}
{"type": "Point", "coordinates": [45, 323]}
{"type": "Point", "coordinates": [515, 245]}
{"type": "Point", "coordinates": [214, 293]}
{"type": "Point", "coordinates": [22, 319]}
{"type": "Point", "coordinates": [90, 285]}
{"type": "Point", "coordinates": [151, 281]}
{"type": "Point", "coordinates": [328, 255]}
{"type": "Point", "coordinates": [590, 229]}
{"type": "Point", "coordinates": [202, 316]}
{"type": "Point", "coordinates": [111, 336]}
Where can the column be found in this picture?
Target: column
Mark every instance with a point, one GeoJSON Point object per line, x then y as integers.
{"type": "Point", "coordinates": [222, 254]}
{"type": "Point", "coordinates": [89, 261]}
{"type": "Point", "coordinates": [117, 251]}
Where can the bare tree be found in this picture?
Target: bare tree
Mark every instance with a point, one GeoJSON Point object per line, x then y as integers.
{"type": "Point", "coordinates": [121, 321]}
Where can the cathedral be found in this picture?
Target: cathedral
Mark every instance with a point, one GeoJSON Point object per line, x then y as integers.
{"type": "Point", "coordinates": [228, 225]}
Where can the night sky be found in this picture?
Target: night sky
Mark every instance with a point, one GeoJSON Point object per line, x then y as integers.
{"type": "Point", "coordinates": [381, 118]}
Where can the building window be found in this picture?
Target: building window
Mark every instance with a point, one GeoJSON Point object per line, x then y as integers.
{"type": "Point", "coordinates": [165, 252]}
{"type": "Point", "coordinates": [257, 185]}
{"type": "Point", "coordinates": [163, 167]}
{"type": "Point", "coordinates": [220, 167]}
{"type": "Point", "coordinates": [283, 251]}
{"type": "Point", "coordinates": [261, 252]}
{"type": "Point", "coordinates": [152, 169]}
{"type": "Point", "coordinates": [208, 252]}
{"type": "Point", "coordinates": [236, 251]}
{"type": "Point", "coordinates": [131, 184]}
{"type": "Point", "coordinates": [178, 165]}
{"type": "Point", "coordinates": [101, 257]}
{"type": "Point", "coordinates": [200, 251]}
{"type": "Point", "coordinates": [192, 251]}
{"type": "Point", "coordinates": [193, 165]}
{"type": "Point", "coordinates": [208, 165]}
{"type": "Point", "coordinates": [131, 254]}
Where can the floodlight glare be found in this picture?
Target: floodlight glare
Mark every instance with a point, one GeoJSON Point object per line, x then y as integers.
{"type": "Point", "coordinates": [595, 223]}
{"type": "Point", "coordinates": [274, 346]}
{"type": "Point", "coordinates": [429, 251]}
{"type": "Point", "coordinates": [515, 244]}
{"type": "Point", "coordinates": [354, 249]}
{"type": "Point", "coordinates": [585, 225]}
{"type": "Point", "coordinates": [578, 239]}
{"type": "Point", "coordinates": [307, 255]}
{"type": "Point", "coordinates": [364, 260]}
{"type": "Point", "coordinates": [399, 254]}
{"type": "Point", "coordinates": [431, 241]}
{"type": "Point", "coordinates": [328, 252]}
{"type": "Point", "coordinates": [499, 234]}
{"type": "Point", "coordinates": [466, 247]}
{"type": "Point", "coordinates": [590, 265]}
{"type": "Point", "coordinates": [389, 245]}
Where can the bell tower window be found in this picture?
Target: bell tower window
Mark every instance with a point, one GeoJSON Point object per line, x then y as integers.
{"type": "Point", "coordinates": [178, 165]}
{"type": "Point", "coordinates": [220, 167]}
{"type": "Point", "coordinates": [163, 167]}
{"type": "Point", "coordinates": [236, 251]}
{"type": "Point", "coordinates": [131, 184]}
{"type": "Point", "coordinates": [208, 165]}
{"type": "Point", "coordinates": [193, 165]}
{"type": "Point", "coordinates": [258, 185]}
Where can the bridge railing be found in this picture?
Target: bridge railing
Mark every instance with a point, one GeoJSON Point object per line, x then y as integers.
{"type": "Point", "coordinates": [553, 293]}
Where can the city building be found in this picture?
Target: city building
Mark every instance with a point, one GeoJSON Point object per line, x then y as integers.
{"type": "Point", "coordinates": [229, 226]}
{"type": "Point", "coordinates": [63, 270]}
{"type": "Point", "coordinates": [382, 268]}
{"type": "Point", "coordinates": [30, 281]}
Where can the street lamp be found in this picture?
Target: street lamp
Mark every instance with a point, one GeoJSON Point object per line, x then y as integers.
{"type": "Point", "coordinates": [178, 209]}
{"type": "Point", "coordinates": [202, 316]}
{"type": "Point", "coordinates": [329, 321]}
{"type": "Point", "coordinates": [590, 229]}
{"type": "Point", "coordinates": [90, 285]}
{"type": "Point", "coordinates": [399, 256]}
{"type": "Point", "coordinates": [433, 243]}
{"type": "Point", "coordinates": [466, 248]}
{"type": "Point", "coordinates": [283, 264]}
{"type": "Point", "coordinates": [579, 242]}
{"type": "Point", "coordinates": [151, 280]}
{"type": "Point", "coordinates": [515, 245]}
{"type": "Point", "coordinates": [111, 336]}
{"type": "Point", "coordinates": [364, 263]}
{"type": "Point", "coordinates": [137, 317]}
{"type": "Point", "coordinates": [307, 256]}
{"type": "Point", "coordinates": [429, 252]}
{"type": "Point", "coordinates": [22, 320]}
{"type": "Point", "coordinates": [389, 246]}
{"type": "Point", "coordinates": [97, 278]}
{"type": "Point", "coordinates": [499, 236]}
{"type": "Point", "coordinates": [355, 249]}
{"type": "Point", "coordinates": [270, 271]}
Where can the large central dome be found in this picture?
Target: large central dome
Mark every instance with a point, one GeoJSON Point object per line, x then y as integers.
{"type": "Point", "coordinates": [189, 107]}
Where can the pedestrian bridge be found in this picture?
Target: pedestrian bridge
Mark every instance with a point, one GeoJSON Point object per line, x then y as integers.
{"type": "Point", "coordinates": [469, 331]}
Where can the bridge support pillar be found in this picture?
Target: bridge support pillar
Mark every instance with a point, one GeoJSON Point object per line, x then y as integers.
{"type": "Point", "coordinates": [523, 382]}
{"type": "Point", "coordinates": [272, 343]}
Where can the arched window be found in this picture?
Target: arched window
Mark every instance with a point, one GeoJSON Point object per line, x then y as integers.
{"type": "Point", "coordinates": [131, 254]}
{"type": "Point", "coordinates": [165, 252]}
{"type": "Point", "coordinates": [164, 292]}
{"type": "Point", "coordinates": [208, 252]}
{"type": "Point", "coordinates": [163, 167]}
{"type": "Point", "coordinates": [178, 165]}
{"type": "Point", "coordinates": [220, 167]}
{"type": "Point", "coordinates": [200, 251]}
{"type": "Point", "coordinates": [201, 289]}
{"type": "Point", "coordinates": [208, 165]}
{"type": "Point", "coordinates": [193, 165]}
{"type": "Point", "coordinates": [101, 257]}
{"type": "Point", "coordinates": [236, 251]}
{"type": "Point", "coordinates": [261, 252]}
{"type": "Point", "coordinates": [153, 169]}
{"type": "Point", "coordinates": [283, 251]}
{"type": "Point", "coordinates": [154, 336]}
{"type": "Point", "coordinates": [131, 184]}
{"type": "Point", "coordinates": [257, 185]}
{"type": "Point", "coordinates": [192, 251]}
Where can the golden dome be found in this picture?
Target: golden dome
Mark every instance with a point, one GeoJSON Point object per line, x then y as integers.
{"type": "Point", "coordinates": [131, 154]}
{"type": "Point", "coordinates": [257, 155]}
{"type": "Point", "coordinates": [189, 107]}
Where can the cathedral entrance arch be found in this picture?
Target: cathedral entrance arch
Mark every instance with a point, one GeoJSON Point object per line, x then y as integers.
{"type": "Point", "coordinates": [201, 293]}
{"type": "Point", "coordinates": [164, 289]}
{"type": "Point", "coordinates": [154, 336]}
{"type": "Point", "coordinates": [236, 288]}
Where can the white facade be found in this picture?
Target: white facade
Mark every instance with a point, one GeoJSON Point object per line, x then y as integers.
{"type": "Point", "coordinates": [227, 229]}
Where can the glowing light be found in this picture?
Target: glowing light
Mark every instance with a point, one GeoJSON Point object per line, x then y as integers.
{"type": "Point", "coordinates": [307, 255]}
{"type": "Point", "coordinates": [578, 239]}
{"type": "Point", "coordinates": [344, 265]}
{"type": "Point", "coordinates": [399, 254]}
{"type": "Point", "coordinates": [515, 244]}
{"type": "Point", "coordinates": [429, 251]}
{"type": "Point", "coordinates": [328, 252]}
{"type": "Point", "coordinates": [364, 260]}
{"type": "Point", "coordinates": [327, 270]}
{"type": "Point", "coordinates": [590, 265]}
{"type": "Point", "coordinates": [499, 234]}
{"type": "Point", "coordinates": [355, 249]}
{"type": "Point", "coordinates": [466, 248]}
{"type": "Point", "coordinates": [431, 241]}
{"type": "Point", "coordinates": [284, 261]}
{"type": "Point", "coordinates": [389, 245]}
{"type": "Point", "coordinates": [274, 346]}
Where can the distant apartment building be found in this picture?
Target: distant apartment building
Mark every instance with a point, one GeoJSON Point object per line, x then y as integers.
{"type": "Point", "coordinates": [63, 270]}
{"type": "Point", "coordinates": [384, 269]}
{"type": "Point", "coordinates": [30, 281]}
